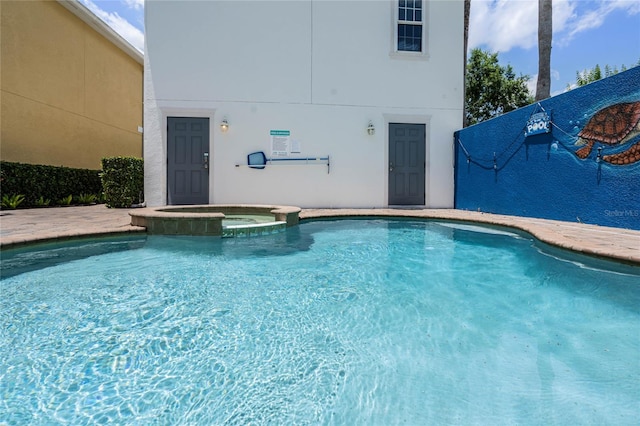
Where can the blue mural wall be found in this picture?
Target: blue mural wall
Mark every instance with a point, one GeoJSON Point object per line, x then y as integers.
{"type": "Point", "coordinates": [585, 169]}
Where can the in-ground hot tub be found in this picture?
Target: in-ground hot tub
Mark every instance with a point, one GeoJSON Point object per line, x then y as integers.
{"type": "Point", "coordinates": [215, 219]}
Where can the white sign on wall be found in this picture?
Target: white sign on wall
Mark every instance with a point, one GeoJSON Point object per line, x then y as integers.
{"type": "Point", "coordinates": [280, 142]}
{"type": "Point", "coordinates": [538, 123]}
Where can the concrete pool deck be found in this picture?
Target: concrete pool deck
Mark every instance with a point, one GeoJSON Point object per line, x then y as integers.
{"type": "Point", "coordinates": [19, 227]}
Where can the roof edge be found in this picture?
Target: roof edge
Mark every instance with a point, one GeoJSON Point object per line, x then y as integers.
{"type": "Point", "coordinates": [88, 17]}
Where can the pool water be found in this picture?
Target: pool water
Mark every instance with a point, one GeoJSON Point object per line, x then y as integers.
{"type": "Point", "coordinates": [251, 226]}
{"type": "Point", "coordinates": [246, 219]}
{"type": "Point", "coordinates": [333, 322]}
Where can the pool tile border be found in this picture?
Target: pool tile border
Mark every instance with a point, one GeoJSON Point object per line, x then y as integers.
{"type": "Point", "coordinates": [597, 241]}
{"type": "Point", "coordinates": [19, 227]}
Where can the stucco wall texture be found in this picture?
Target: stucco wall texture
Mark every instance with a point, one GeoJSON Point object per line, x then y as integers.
{"type": "Point", "coordinates": [69, 95]}
{"type": "Point", "coordinates": [238, 60]}
{"type": "Point", "coordinates": [541, 175]}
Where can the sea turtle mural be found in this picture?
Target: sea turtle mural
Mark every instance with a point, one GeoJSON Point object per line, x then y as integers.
{"type": "Point", "coordinates": [613, 126]}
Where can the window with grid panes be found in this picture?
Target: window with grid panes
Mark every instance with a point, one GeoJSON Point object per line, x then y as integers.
{"type": "Point", "coordinates": [410, 25]}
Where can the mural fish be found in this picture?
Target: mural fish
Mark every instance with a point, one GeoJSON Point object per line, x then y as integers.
{"type": "Point", "coordinates": [614, 125]}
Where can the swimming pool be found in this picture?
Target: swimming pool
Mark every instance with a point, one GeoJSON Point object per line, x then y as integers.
{"type": "Point", "coordinates": [331, 322]}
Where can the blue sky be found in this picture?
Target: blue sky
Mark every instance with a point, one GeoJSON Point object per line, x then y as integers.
{"type": "Point", "coordinates": [586, 32]}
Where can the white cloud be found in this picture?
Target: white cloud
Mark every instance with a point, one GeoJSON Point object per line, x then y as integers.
{"type": "Point", "coordinates": [135, 4]}
{"type": "Point", "coordinates": [502, 25]}
{"type": "Point", "coordinates": [120, 25]}
{"type": "Point", "coordinates": [532, 84]}
{"type": "Point", "coordinates": [563, 12]}
{"type": "Point", "coordinates": [594, 18]}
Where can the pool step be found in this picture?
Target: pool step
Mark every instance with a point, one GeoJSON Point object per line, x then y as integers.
{"type": "Point", "coordinates": [253, 229]}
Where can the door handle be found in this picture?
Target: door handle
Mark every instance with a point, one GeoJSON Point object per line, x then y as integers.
{"type": "Point", "coordinates": [390, 166]}
{"type": "Point", "coordinates": [205, 160]}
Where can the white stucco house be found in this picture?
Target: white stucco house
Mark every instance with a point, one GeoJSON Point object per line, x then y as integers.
{"type": "Point", "coordinates": [360, 98]}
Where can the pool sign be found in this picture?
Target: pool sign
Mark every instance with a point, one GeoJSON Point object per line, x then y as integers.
{"type": "Point", "coordinates": [538, 123]}
{"type": "Point", "coordinates": [280, 140]}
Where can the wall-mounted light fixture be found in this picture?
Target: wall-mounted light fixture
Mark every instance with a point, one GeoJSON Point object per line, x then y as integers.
{"type": "Point", "coordinates": [371, 130]}
{"type": "Point", "coordinates": [224, 125]}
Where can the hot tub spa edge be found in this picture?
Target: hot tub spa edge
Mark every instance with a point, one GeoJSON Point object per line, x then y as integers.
{"type": "Point", "coordinates": [204, 219]}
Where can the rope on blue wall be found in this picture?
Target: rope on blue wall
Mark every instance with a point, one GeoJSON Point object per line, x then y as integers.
{"type": "Point", "coordinates": [492, 163]}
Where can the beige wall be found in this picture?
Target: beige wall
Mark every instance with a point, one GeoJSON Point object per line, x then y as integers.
{"type": "Point", "coordinates": [68, 95]}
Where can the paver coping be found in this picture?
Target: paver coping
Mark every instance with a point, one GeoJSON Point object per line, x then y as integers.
{"type": "Point", "coordinates": [26, 226]}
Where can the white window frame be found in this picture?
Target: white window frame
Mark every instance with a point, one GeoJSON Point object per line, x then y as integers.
{"type": "Point", "coordinates": [395, 21]}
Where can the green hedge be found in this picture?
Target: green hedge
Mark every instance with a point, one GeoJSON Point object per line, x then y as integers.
{"type": "Point", "coordinates": [122, 181]}
{"type": "Point", "coordinates": [47, 182]}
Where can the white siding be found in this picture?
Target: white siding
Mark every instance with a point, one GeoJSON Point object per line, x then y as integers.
{"type": "Point", "coordinates": [320, 69]}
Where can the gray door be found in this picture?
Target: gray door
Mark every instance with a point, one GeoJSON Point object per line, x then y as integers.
{"type": "Point", "coordinates": [187, 160]}
{"type": "Point", "coordinates": [406, 164]}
